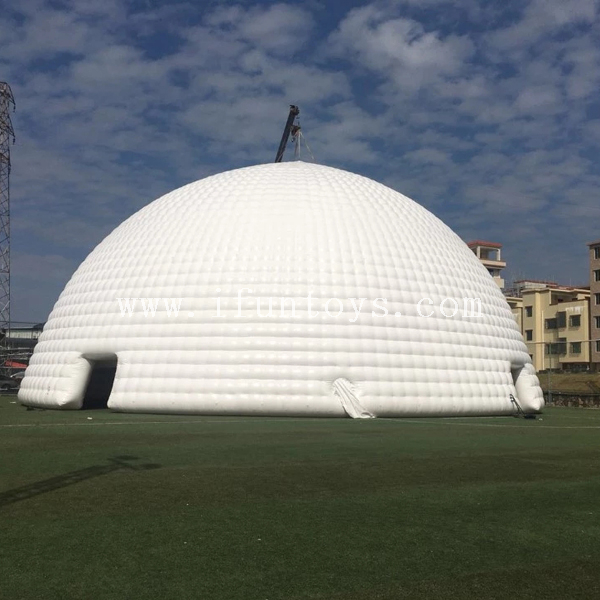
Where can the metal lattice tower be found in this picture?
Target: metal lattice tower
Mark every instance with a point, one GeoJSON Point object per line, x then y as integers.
{"type": "Point", "coordinates": [7, 136]}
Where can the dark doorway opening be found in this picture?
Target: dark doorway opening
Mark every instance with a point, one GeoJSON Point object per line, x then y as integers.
{"type": "Point", "coordinates": [100, 384]}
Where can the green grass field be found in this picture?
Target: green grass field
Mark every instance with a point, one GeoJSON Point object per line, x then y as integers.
{"type": "Point", "coordinates": [266, 509]}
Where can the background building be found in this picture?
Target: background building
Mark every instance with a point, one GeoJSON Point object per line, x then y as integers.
{"type": "Point", "coordinates": [18, 346]}
{"type": "Point", "coordinates": [595, 304]}
{"type": "Point", "coordinates": [490, 255]}
{"type": "Point", "coordinates": [554, 321]}
{"type": "Point", "coordinates": [560, 324]}
{"type": "Point", "coordinates": [24, 335]}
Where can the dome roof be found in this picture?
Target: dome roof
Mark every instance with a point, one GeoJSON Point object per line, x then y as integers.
{"type": "Point", "coordinates": [287, 230]}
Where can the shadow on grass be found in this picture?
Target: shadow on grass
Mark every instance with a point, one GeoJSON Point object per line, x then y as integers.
{"type": "Point", "coordinates": [55, 483]}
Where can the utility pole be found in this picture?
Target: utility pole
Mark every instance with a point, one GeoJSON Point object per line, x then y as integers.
{"type": "Point", "coordinates": [7, 137]}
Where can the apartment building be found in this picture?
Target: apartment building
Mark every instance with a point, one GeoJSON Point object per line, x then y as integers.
{"type": "Point", "coordinates": [516, 305]}
{"type": "Point", "coordinates": [594, 248]}
{"type": "Point", "coordinates": [554, 321]}
{"type": "Point", "coordinates": [560, 324]}
{"type": "Point", "coordinates": [490, 255]}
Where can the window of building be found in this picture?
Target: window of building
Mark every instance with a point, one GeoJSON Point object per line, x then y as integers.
{"type": "Point", "coordinates": [598, 346]}
{"type": "Point", "coordinates": [550, 324]}
{"type": "Point", "coordinates": [597, 299]}
{"type": "Point", "coordinates": [597, 275]}
{"type": "Point", "coordinates": [557, 348]}
{"type": "Point", "coordinates": [561, 319]}
{"type": "Point", "coordinates": [597, 252]}
{"type": "Point", "coordinates": [597, 322]}
{"type": "Point", "coordinates": [529, 310]}
{"type": "Point", "coordinates": [529, 334]}
{"type": "Point", "coordinates": [575, 347]}
{"type": "Point", "coordinates": [574, 320]}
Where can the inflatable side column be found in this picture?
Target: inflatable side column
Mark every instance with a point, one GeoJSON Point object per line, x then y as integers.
{"type": "Point", "coordinates": [527, 387]}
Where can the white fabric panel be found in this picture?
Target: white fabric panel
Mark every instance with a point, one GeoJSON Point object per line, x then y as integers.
{"type": "Point", "coordinates": [351, 404]}
{"type": "Point", "coordinates": [284, 230]}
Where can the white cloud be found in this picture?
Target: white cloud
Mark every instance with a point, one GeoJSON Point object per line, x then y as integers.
{"type": "Point", "coordinates": [280, 28]}
{"type": "Point", "coordinates": [485, 123]}
{"type": "Point", "coordinates": [536, 99]}
{"type": "Point", "coordinates": [400, 48]}
{"type": "Point", "coordinates": [542, 18]}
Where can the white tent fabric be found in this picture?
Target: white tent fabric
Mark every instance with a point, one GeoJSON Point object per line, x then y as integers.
{"type": "Point", "coordinates": [356, 263]}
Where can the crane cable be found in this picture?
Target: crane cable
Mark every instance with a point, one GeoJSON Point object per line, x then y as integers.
{"type": "Point", "coordinates": [307, 147]}
{"type": "Point", "coordinates": [298, 137]}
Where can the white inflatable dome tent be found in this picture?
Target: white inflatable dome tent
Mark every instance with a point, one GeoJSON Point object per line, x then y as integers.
{"type": "Point", "coordinates": [373, 258]}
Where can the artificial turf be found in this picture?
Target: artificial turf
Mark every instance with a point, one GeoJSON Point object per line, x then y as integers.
{"type": "Point", "coordinates": [270, 509]}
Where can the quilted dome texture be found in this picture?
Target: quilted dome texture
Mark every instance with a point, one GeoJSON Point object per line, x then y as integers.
{"type": "Point", "coordinates": [368, 260]}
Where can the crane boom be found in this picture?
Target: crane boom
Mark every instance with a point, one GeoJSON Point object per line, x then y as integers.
{"type": "Point", "coordinates": [294, 112]}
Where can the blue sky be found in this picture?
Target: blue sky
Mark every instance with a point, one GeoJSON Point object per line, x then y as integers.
{"type": "Point", "coordinates": [486, 113]}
